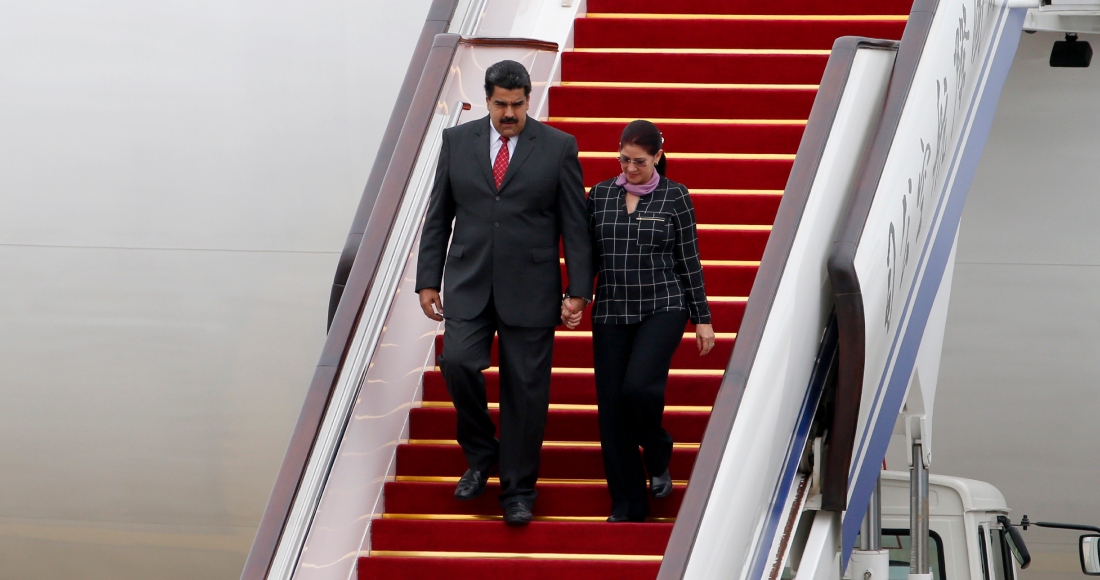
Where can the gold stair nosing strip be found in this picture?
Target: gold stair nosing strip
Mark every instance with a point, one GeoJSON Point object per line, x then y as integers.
{"type": "Point", "coordinates": [754, 17]}
{"type": "Point", "coordinates": [711, 156]}
{"type": "Point", "coordinates": [735, 227]}
{"type": "Point", "coordinates": [684, 121]}
{"type": "Point", "coordinates": [495, 479]}
{"type": "Point", "coordinates": [573, 407]}
{"type": "Point", "coordinates": [775, 192]}
{"type": "Point", "coordinates": [544, 444]}
{"type": "Point", "coordinates": [732, 228]}
{"type": "Point", "coordinates": [584, 333]}
{"type": "Point", "coordinates": [734, 51]}
{"type": "Point", "coordinates": [575, 370]}
{"type": "Point", "coordinates": [727, 298]}
{"type": "Point", "coordinates": [681, 86]}
{"type": "Point", "coordinates": [749, 263]}
{"type": "Point", "coordinates": [486, 518]}
{"type": "Point", "coordinates": [515, 556]}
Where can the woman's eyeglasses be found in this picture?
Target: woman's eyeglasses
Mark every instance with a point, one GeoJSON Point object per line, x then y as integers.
{"type": "Point", "coordinates": [639, 163]}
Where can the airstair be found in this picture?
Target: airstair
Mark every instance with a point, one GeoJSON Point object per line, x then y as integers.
{"type": "Point", "coordinates": [828, 148]}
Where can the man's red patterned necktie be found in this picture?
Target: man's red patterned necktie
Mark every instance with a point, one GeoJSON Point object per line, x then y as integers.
{"type": "Point", "coordinates": [500, 166]}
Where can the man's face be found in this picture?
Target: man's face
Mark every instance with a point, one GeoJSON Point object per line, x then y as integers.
{"type": "Point", "coordinates": [508, 110]}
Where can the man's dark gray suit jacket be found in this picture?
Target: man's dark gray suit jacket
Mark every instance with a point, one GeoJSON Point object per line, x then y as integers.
{"type": "Point", "coordinates": [506, 242]}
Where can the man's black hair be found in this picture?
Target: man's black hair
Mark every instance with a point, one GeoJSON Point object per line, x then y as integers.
{"type": "Point", "coordinates": [508, 75]}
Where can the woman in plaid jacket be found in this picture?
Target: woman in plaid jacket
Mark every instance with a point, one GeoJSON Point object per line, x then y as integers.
{"type": "Point", "coordinates": [650, 283]}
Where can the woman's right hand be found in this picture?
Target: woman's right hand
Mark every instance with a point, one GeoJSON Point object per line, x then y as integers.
{"type": "Point", "coordinates": [704, 338]}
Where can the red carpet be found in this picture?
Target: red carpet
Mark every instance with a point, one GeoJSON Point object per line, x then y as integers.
{"type": "Point", "coordinates": [556, 537]}
{"type": "Point", "coordinates": [595, 135]}
{"type": "Point", "coordinates": [705, 32]}
{"type": "Point", "coordinates": [848, 7]}
{"type": "Point", "coordinates": [566, 424]}
{"type": "Point", "coordinates": [794, 69]}
{"type": "Point", "coordinates": [732, 121]}
{"type": "Point", "coordinates": [558, 462]}
{"type": "Point", "coordinates": [575, 351]}
{"type": "Point", "coordinates": [382, 565]}
{"type": "Point", "coordinates": [680, 103]}
{"type": "Point", "coordinates": [580, 389]}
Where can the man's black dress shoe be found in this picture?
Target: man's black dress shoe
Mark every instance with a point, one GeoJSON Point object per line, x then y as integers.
{"type": "Point", "coordinates": [517, 514]}
{"type": "Point", "coordinates": [471, 485]}
{"type": "Point", "coordinates": [615, 519]}
{"type": "Point", "coordinates": [661, 485]}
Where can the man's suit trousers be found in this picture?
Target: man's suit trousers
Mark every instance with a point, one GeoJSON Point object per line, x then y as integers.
{"type": "Point", "coordinates": [525, 363]}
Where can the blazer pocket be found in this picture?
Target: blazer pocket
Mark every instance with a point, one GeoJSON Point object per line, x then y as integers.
{"type": "Point", "coordinates": [544, 254]}
{"type": "Point", "coordinates": [456, 250]}
{"type": "Point", "coordinates": [652, 228]}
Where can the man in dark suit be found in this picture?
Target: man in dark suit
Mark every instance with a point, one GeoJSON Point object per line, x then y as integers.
{"type": "Point", "coordinates": [513, 188]}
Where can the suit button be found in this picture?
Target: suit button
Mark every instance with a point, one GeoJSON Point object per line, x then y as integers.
{"type": "Point", "coordinates": [496, 224]}
{"type": "Point", "coordinates": [498, 198]}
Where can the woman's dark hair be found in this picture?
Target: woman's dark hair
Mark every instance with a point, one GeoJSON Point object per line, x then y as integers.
{"type": "Point", "coordinates": [647, 136]}
{"type": "Point", "coordinates": [508, 75]}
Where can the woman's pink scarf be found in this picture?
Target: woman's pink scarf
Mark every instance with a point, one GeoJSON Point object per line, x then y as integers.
{"type": "Point", "coordinates": [639, 190]}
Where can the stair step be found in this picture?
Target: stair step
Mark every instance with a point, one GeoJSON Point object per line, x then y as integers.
{"type": "Point", "coordinates": [689, 103]}
{"type": "Point", "coordinates": [751, 7]}
{"type": "Point", "coordinates": [768, 174]}
{"type": "Point", "coordinates": [580, 389]}
{"type": "Point", "coordinates": [742, 208]}
{"type": "Point", "coordinates": [556, 463]}
{"type": "Point", "coordinates": [431, 423]}
{"type": "Point", "coordinates": [691, 137]}
{"type": "Point", "coordinates": [614, 31]}
{"type": "Point", "coordinates": [558, 537]}
{"type": "Point", "coordinates": [555, 499]}
{"type": "Point", "coordinates": [398, 568]}
{"type": "Point", "coordinates": [575, 351]}
{"type": "Point", "coordinates": [693, 68]}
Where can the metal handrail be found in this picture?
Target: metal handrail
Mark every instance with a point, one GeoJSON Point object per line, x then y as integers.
{"type": "Point", "coordinates": [297, 486]}
{"type": "Point", "coordinates": [439, 18]}
{"type": "Point", "coordinates": [760, 304]}
{"type": "Point", "coordinates": [362, 349]}
{"type": "Point", "coordinates": [849, 307]}
{"type": "Point", "coordinates": [471, 21]}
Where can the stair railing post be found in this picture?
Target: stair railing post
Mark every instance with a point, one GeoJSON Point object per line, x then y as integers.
{"type": "Point", "coordinates": [918, 516]}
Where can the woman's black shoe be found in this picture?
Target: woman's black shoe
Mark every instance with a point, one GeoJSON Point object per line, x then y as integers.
{"type": "Point", "coordinates": [661, 485]}
{"type": "Point", "coordinates": [614, 519]}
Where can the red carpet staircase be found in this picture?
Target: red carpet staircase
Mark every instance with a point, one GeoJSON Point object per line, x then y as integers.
{"type": "Point", "coordinates": [731, 86]}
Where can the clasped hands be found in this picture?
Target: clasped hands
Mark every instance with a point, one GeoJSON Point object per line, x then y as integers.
{"type": "Point", "coordinates": [572, 310]}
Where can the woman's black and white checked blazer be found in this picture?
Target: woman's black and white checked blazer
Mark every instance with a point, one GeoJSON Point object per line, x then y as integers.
{"type": "Point", "coordinates": [647, 261]}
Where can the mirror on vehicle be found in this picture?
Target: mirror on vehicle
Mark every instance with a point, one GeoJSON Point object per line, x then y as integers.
{"type": "Point", "coordinates": [1015, 542]}
{"type": "Point", "coordinates": [1090, 554]}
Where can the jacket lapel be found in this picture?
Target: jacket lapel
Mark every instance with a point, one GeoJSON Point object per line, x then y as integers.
{"type": "Point", "coordinates": [481, 151]}
{"type": "Point", "coordinates": [523, 150]}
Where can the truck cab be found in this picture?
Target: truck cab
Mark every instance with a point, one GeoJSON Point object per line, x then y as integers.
{"type": "Point", "coordinates": [967, 536]}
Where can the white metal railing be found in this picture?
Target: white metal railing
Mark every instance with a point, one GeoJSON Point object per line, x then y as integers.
{"type": "Point", "coordinates": [363, 346]}
{"type": "Point", "coordinates": [471, 20]}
